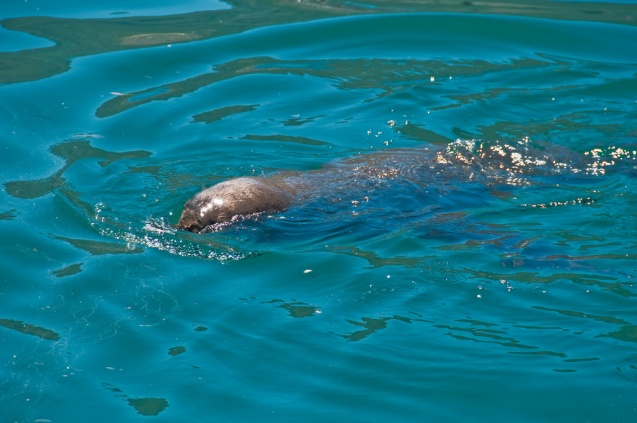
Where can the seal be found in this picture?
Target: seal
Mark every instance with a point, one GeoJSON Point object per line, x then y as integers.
{"type": "Point", "coordinates": [235, 197]}
{"type": "Point", "coordinates": [437, 170]}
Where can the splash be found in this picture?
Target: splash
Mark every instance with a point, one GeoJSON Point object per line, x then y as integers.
{"type": "Point", "coordinates": [157, 234]}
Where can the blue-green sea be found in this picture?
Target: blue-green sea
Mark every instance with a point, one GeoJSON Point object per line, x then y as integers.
{"type": "Point", "coordinates": [463, 249]}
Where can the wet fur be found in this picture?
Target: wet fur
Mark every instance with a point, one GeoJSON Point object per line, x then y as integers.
{"type": "Point", "coordinates": [235, 197]}
{"type": "Point", "coordinates": [493, 164]}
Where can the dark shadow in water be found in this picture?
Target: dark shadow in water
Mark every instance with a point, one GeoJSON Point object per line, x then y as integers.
{"type": "Point", "coordinates": [71, 270]}
{"type": "Point", "coordinates": [346, 74]}
{"type": "Point", "coordinates": [180, 349]}
{"type": "Point", "coordinates": [590, 277]}
{"type": "Point", "coordinates": [296, 309]}
{"type": "Point", "coordinates": [148, 406]}
{"type": "Point", "coordinates": [10, 215]}
{"type": "Point", "coordinates": [218, 114]}
{"type": "Point", "coordinates": [372, 325]}
{"type": "Point", "coordinates": [30, 329]}
{"type": "Point", "coordinates": [71, 152]}
{"type": "Point", "coordinates": [374, 260]}
{"type": "Point", "coordinates": [626, 333]}
{"type": "Point", "coordinates": [83, 37]}
{"type": "Point", "coordinates": [144, 406]}
{"type": "Point", "coordinates": [97, 248]}
{"type": "Point", "coordinates": [488, 336]}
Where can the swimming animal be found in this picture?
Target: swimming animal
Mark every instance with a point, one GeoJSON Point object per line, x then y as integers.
{"type": "Point", "coordinates": [225, 201]}
{"type": "Point", "coordinates": [428, 170]}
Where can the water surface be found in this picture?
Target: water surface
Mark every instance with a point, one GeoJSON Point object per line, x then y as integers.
{"type": "Point", "coordinates": [409, 284]}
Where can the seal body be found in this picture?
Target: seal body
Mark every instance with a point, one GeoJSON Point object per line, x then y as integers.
{"type": "Point", "coordinates": [235, 197]}
{"type": "Point", "coordinates": [410, 172]}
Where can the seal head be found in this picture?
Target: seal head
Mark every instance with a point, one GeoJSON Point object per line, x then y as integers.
{"type": "Point", "coordinates": [235, 197]}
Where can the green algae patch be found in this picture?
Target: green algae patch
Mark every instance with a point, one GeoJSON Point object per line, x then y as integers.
{"type": "Point", "coordinates": [68, 270]}
{"type": "Point", "coordinates": [30, 329]}
{"type": "Point", "coordinates": [10, 215]}
{"type": "Point", "coordinates": [148, 406]}
{"type": "Point", "coordinates": [284, 138]}
{"type": "Point", "coordinates": [71, 152]}
{"type": "Point", "coordinates": [296, 309]}
{"type": "Point", "coordinates": [97, 248]}
{"type": "Point", "coordinates": [176, 350]}
{"type": "Point", "coordinates": [159, 38]}
{"type": "Point", "coordinates": [35, 188]}
{"type": "Point", "coordinates": [218, 114]}
{"type": "Point", "coordinates": [627, 333]}
{"type": "Point", "coordinates": [85, 37]}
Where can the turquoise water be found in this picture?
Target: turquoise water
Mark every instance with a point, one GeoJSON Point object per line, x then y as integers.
{"type": "Point", "coordinates": [427, 275]}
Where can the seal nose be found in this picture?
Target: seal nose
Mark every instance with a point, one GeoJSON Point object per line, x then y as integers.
{"type": "Point", "coordinates": [194, 228]}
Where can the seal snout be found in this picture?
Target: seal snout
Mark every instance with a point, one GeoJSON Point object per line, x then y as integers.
{"type": "Point", "coordinates": [189, 219]}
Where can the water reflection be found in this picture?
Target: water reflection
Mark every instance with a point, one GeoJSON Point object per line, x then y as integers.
{"type": "Point", "coordinates": [76, 37]}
